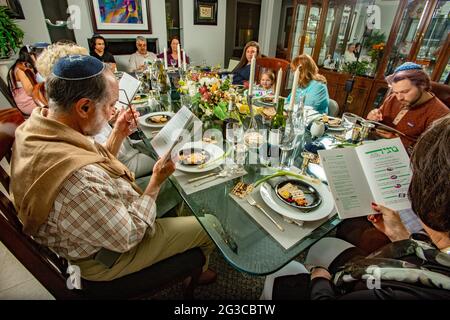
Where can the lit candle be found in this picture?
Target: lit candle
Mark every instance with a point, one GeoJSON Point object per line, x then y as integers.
{"type": "Point", "coordinates": [294, 89]}
{"type": "Point", "coordinates": [278, 86]}
{"type": "Point", "coordinates": [165, 58]}
{"type": "Point", "coordinates": [179, 55]}
{"type": "Point", "coordinates": [252, 76]}
{"type": "Point", "coordinates": [184, 60]}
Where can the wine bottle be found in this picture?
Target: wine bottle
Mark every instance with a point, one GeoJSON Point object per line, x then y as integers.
{"type": "Point", "coordinates": [277, 124]}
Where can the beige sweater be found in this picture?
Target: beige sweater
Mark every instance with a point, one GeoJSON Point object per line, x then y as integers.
{"type": "Point", "coordinates": [45, 153]}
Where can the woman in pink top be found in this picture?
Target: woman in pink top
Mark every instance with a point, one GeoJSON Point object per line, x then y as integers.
{"type": "Point", "coordinates": [21, 81]}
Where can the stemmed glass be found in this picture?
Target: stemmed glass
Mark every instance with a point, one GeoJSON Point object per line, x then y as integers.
{"type": "Point", "coordinates": [287, 146]}
{"type": "Point", "coordinates": [173, 63]}
{"type": "Point", "coordinates": [235, 137]}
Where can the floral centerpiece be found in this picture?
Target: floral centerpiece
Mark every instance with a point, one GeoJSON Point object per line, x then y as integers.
{"type": "Point", "coordinates": [210, 97]}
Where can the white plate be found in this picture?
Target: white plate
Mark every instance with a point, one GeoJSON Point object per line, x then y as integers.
{"type": "Point", "coordinates": [322, 211]}
{"type": "Point", "coordinates": [143, 122]}
{"type": "Point", "coordinates": [212, 149]}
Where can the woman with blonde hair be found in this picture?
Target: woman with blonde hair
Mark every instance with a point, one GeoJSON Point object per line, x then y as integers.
{"type": "Point", "coordinates": [311, 84]}
{"type": "Point", "coordinates": [242, 71]}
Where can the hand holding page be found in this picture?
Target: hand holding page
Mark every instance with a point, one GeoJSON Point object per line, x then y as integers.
{"type": "Point", "coordinates": [170, 135]}
{"type": "Point", "coordinates": [128, 86]}
{"type": "Point", "coordinates": [375, 172]}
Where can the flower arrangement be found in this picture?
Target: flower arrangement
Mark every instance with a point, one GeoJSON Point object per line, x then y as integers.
{"type": "Point", "coordinates": [210, 96]}
{"type": "Point", "coordinates": [376, 52]}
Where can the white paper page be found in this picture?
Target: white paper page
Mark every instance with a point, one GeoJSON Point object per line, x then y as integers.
{"type": "Point", "coordinates": [347, 183]}
{"type": "Point", "coordinates": [386, 166]}
{"type": "Point", "coordinates": [165, 138]}
{"type": "Point", "coordinates": [130, 85]}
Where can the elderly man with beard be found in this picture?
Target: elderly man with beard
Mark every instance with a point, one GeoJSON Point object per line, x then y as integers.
{"type": "Point", "coordinates": [72, 194]}
{"type": "Point", "coordinates": [411, 107]}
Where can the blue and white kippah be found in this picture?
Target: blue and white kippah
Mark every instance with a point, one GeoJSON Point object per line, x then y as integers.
{"type": "Point", "coordinates": [408, 66]}
{"type": "Point", "coordinates": [78, 67]}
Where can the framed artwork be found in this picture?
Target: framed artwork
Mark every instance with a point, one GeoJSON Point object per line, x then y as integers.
{"type": "Point", "coordinates": [15, 8]}
{"type": "Point", "coordinates": [120, 16]}
{"type": "Point", "coordinates": [205, 12]}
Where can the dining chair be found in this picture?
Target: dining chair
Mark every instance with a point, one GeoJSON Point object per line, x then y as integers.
{"type": "Point", "coordinates": [442, 91]}
{"type": "Point", "coordinates": [333, 108]}
{"type": "Point", "coordinates": [51, 270]}
{"type": "Point", "coordinates": [273, 64]}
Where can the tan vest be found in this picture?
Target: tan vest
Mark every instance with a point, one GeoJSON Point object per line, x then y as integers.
{"type": "Point", "coordinates": [45, 153]}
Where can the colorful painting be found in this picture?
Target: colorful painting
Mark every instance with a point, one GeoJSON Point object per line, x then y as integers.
{"type": "Point", "coordinates": [120, 16]}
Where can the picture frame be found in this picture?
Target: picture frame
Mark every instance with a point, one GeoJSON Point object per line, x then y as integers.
{"type": "Point", "coordinates": [15, 7]}
{"type": "Point", "coordinates": [205, 12]}
{"type": "Point", "coordinates": [121, 16]}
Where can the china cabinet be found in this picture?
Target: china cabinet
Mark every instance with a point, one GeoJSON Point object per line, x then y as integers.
{"type": "Point", "coordinates": [403, 30]}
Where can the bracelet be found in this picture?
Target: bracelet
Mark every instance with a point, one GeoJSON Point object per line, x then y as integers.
{"type": "Point", "coordinates": [318, 267]}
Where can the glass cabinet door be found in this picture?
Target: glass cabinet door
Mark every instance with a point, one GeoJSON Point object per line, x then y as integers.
{"type": "Point", "coordinates": [312, 28]}
{"type": "Point", "coordinates": [431, 48]}
{"type": "Point", "coordinates": [298, 29]}
{"type": "Point", "coordinates": [406, 35]}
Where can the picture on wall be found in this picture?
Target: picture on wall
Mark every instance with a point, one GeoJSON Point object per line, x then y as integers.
{"type": "Point", "coordinates": [120, 16]}
{"type": "Point", "coordinates": [205, 12]}
{"type": "Point", "coordinates": [14, 7]}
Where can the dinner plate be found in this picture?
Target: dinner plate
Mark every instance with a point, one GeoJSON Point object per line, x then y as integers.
{"type": "Point", "coordinates": [214, 152]}
{"type": "Point", "coordinates": [269, 196]}
{"type": "Point", "coordinates": [145, 120]}
{"type": "Point", "coordinates": [139, 99]}
{"type": "Point", "coordinates": [310, 194]}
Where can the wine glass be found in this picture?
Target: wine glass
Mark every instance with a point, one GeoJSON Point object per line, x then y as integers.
{"type": "Point", "coordinates": [235, 136]}
{"type": "Point", "coordinates": [287, 147]}
{"type": "Point", "coordinates": [173, 63]}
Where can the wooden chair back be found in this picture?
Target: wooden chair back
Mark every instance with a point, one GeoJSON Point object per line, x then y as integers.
{"type": "Point", "coordinates": [51, 270]}
{"type": "Point", "coordinates": [273, 64]}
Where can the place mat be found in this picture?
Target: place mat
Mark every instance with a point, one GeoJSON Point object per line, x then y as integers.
{"type": "Point", "coordinates": [189, 188]}
{"type": "Point", "coordinates": [292, 233]}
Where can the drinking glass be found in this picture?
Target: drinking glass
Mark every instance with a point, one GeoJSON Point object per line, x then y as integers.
{"type": "Point", "coordinates": [287, 147]}
{"type": "Point", "coordinates": [348, 120]}
{"type": "Point", "coordinates": [186, 100]}
{"type": "Point", "coordinates": [235, 136]}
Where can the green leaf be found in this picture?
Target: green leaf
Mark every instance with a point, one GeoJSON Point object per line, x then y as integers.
{"type": "Point", "coordinates": [219, 113]}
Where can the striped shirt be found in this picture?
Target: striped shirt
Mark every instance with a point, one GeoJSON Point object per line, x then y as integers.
{"type": "Point", "coordinates": [93, 210]}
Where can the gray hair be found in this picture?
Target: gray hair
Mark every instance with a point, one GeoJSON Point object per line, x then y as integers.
{"type": "Point", "coordinates": [63, 94]}
{"type": "Point", "coordinates": [140, 38]}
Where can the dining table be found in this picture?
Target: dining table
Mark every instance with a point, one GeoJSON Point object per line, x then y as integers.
{"type": "Point", "coordinates": [249, 240]}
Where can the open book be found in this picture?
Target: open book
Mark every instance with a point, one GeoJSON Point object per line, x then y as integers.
{"type": "Point", "coordinates": [178, 131]}
{"type": "Point", "coordinates": [376, 172]}
{"type": "Point", "coordinates": [128, 86]}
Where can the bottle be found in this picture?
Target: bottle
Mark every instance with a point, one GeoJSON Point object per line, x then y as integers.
{"type": "Point", "coordinates": [277, 124]}
{"type": "Point", "coordinates": [162, 79]}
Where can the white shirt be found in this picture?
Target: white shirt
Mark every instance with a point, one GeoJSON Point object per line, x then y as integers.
{"type": "Point", "coordinates": [137, 60]}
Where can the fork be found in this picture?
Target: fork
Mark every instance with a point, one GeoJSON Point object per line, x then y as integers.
{"type": "Point", "coordinates": [252, 202]}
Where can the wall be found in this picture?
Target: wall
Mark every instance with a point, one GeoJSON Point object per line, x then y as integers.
{"type": "Point", "coordinates": [269, 25]}
{"type": "Point", "coordinates": [203, 42]}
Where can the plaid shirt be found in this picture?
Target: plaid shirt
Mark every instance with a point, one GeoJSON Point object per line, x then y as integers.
{"type": "Point", "coordinates": [93, 210]}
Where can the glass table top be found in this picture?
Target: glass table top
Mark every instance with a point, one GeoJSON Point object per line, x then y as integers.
{"type": "Point", "coordinates": [241, 240]}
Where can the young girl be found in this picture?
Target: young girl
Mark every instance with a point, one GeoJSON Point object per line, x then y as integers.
{"type": "Point", "coordinates": [21, 81]}
{"type": "Point", "coordinates": [267, 81]}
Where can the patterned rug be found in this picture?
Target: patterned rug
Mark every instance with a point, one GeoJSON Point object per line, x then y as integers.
{"type": "Point", "coordinates": [230, 284]}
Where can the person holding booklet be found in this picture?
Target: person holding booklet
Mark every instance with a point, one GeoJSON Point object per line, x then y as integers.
{"type": "Point", "coordinates": [78, 199]}
{"type": "Point", "coordinates": [412, 266]}
{"type": "Point", "coordinates": [411, 107]}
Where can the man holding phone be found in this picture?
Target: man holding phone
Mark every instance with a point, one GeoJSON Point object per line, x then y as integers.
{"type": "Point", "coordinates": [79, 200]}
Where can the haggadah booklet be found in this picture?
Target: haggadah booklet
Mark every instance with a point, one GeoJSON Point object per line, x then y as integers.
{"type": "Point", "coordinates": [374, 172]}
